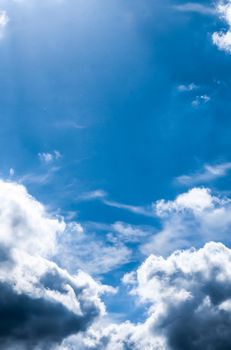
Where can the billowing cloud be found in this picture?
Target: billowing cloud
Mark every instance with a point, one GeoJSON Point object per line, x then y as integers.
{"type": "Point", "coordinates": [188, 301]}
{"type": "Point", "coordinates": [185, 296]}
{"type": "Point", "coordinates": [189, 295]}
{"type": "Point", "coordinates": [40, 303]}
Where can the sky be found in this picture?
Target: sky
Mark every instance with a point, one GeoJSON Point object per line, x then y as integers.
{"type": "Point", "coordinates": [115, 175]}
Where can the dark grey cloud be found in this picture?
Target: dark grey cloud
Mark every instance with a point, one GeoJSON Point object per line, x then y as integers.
{"type": "Point", "coordinates": [32, 321]}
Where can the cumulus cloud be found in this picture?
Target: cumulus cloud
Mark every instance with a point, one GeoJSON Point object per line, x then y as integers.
{"type": "Point", "coordinates": [223, 38]}
{"type": "Point", "coordinates": [124, 336]}
{"type": "Point", "coordinates": [194, 217]}
{"type": "Point", "coordinates": [40, 303]}
{"type": "Point", "coordinates": [188, 301]}
{"type": "Point", "coordinates": [189, 294]}
{"type": "Point", "coordinates": [185, 296]}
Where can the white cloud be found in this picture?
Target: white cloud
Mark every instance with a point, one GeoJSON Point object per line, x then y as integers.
{"type": "Point", "coordinates": [208, 173]}
{"type": "Point", "coordinates": [24, 222]}
{"type": "Point", "coordinates": [4, 19]}
{"type": "Point", "coordinates": [49, 157]}
{"type": "Point", "coordinates": [196, 199]}
{"type": "Point", "coordinates": [223, 38]}
{"type": "Point", "coordinates": [193, 217]}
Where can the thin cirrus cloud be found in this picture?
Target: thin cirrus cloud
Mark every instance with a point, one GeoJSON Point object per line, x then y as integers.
{"type": "Point", "coordinates": [195, 8]}
{"type": "Point", "coordinates": [207, 174]}
{"type": "Point", "coordinates": [102, 196]}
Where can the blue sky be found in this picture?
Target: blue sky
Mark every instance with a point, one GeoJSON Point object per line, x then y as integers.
{"type": "Point", "coordinates": [116, 116]}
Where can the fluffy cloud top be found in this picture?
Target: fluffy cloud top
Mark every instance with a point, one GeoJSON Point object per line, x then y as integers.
{"type": "Point", "coordinates": [192, 218]}
{"type": "Point", "coordinates": [24, 222]}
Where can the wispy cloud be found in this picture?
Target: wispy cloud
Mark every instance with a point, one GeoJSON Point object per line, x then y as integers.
{"type": "Point", "coordinates": [102, 196]}
{"type": "Point", "coordinates": [92, 195]}
{"type": "Point", "coordinates": [141, 210]}
{"type": "Point", "coordinates": [38, 178]}
{"type": "Point", "coordinates": [202, 99]}
{"type": "Point", "coordinates": [196, 8]}
{"type": "Point", "coordinates": [49, 157]}
{"type": "Point", "coordinates": [80, 250]}
{"type": "Point", "coordinates": [121, 231]}
{"type": "Point", "coordinates": [187, 87]}
{"type": "Point", "coordinates": [207, 174]}
{"type": "Point", "coordinates": [69, 124]}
